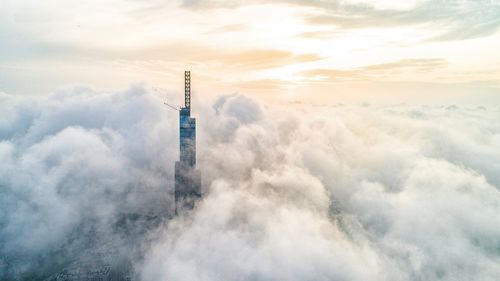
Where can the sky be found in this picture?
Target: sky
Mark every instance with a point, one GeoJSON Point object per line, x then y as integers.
{"type": "Point", "coordinates": [337, 140]}
{"type": "Point", "coordinates": [311, 51]}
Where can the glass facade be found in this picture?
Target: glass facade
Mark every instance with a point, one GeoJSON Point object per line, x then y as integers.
{"type": "Point", "coordinates": [187, 138]}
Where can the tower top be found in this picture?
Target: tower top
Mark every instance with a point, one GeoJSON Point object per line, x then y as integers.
{"type": "Point", "coordinates": [187, 90]}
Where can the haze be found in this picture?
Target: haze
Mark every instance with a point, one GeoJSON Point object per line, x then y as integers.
{"type": "Point", "coordinates": [377, 51]}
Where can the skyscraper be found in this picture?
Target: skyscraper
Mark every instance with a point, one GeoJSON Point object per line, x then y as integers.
{"type": "Point", "coordinates": [187, 177]}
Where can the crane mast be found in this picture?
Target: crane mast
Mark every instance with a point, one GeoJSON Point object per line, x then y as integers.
{"type": "Point", "coordinates": [187, 90]}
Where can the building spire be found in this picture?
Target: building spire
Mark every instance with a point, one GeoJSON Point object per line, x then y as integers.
{"type": "Point", "coordinates": [187, 176]}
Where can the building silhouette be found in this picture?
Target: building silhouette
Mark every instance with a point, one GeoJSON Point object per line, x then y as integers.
{"type": "Point", "coordinates": [187, 177]}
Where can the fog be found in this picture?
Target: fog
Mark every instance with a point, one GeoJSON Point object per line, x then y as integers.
{"type": "Point", "coordinates": [291, 191]}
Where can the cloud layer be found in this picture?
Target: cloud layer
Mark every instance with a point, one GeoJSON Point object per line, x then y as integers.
{"type": "Point", "coordinates": [295, 192]}
{"type": "Point", "coordinates": [73, 166]}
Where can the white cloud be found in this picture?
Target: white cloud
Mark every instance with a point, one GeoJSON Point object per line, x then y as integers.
{"type": "Point", "coordinates": [291, 192]}
{"type": "Point", "coordinates": [344, 193]}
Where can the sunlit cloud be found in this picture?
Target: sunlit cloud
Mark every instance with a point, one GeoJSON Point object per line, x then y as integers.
{"type": "Point", "coordinates": [232, 42]}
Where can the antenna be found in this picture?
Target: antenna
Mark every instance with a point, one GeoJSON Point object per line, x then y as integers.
{"type": "Point", "coordinates": [187, 90]}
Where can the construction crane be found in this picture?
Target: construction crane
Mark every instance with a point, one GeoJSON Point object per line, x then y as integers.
{"type": "Point", "coordinates": [171, 106]}
{"type": "Point", "coordinates": [177, 108]}
{"type": "Point", "coordinates": [187, 90]}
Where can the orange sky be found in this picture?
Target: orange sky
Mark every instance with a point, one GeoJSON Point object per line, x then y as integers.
{"type": "Point", "coordinates": [386, 51]}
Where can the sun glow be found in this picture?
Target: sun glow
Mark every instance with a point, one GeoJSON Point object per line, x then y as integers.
{"type": "Point", "coordinates": [273, 47]}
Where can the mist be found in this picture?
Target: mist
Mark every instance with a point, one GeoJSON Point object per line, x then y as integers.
{"type": "Point", "coordinates": [290, 192]}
